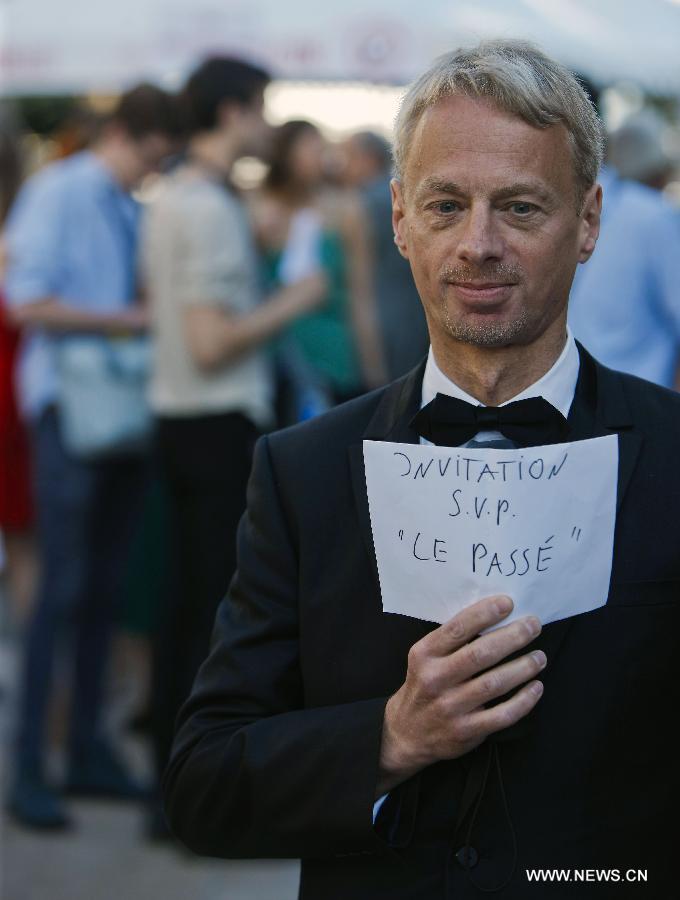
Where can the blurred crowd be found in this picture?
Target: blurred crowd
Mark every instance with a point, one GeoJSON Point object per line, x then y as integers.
{"type": "Point", "coordinates": [160, 309]}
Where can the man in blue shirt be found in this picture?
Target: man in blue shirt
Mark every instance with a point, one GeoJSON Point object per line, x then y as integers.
{"type": "Point", "coordinates": [71, 245]}
{"type": "Point", "coordinates": [625, 301]}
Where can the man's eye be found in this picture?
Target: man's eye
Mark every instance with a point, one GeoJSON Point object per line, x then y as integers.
{"type": "Point", "coordinates": [522, 209]}
{"type": "Point", "coordinates": [446, 207]}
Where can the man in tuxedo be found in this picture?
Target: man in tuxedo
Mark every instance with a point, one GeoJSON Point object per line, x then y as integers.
{"type": "Point", "coordinates": [490, 753]}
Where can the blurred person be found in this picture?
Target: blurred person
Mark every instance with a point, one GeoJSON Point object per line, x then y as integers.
{"type": "Point", "coordinates": [211, 387]}
{"type": "Point", "coordinates": [71, 243]}
{"type": "Point", "coordinates": [16, 508]}
{"type": "Point", "coordinates": [301, 222]}
{"type": "Point", "coordinates": [625, 303]}
{"type": "Point", "coordinates": [636, 150]}
{"type": "Point", "coordinates": [402, 327]}
{"type": "Point", "coordinates": [75, 133]}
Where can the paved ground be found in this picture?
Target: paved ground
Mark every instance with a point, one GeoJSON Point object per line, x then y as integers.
{"type": "Point", "coordinates": [106, 857]}
{"type": "Point", "coordinates": [106, 860]}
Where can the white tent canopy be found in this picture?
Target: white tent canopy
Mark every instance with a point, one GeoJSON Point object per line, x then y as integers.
{"type": "Point", "coordinates": [80, 45]}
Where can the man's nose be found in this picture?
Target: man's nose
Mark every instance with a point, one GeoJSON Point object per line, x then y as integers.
{"type": "Point", "coordinates": [479, 238]}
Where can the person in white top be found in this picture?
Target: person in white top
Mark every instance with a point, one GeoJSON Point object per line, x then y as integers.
{"type": "Point", "coordinates": [211, 387]}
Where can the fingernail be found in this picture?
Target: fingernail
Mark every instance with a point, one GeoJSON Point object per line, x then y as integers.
{"type": "Point", "coordinates": [503, 604]}
{"type": "Point", "coordinates": [539, 658]}
{"type": "Point", "coordinates": [534, 625]}
{"type": "Point", "coordinates": [537, 688]}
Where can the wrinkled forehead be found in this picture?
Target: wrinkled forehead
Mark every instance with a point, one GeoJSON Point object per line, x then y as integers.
{"type": "Point", "coordinates": [472, 141]}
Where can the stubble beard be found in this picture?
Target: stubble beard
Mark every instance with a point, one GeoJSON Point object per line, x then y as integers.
{"type": "Point", "coordinates": [489, 334]}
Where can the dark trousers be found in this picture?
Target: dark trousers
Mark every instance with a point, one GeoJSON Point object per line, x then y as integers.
{"type": "Point", "coordinates": [86, 517]}
{"type": "Point", "coordinates": [204, 463]}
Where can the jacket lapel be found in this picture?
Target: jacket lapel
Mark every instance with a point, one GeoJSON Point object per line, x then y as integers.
{"type": "Point", "coordinates": [600, 408]}
{"type": "Point", "coordinates": [390, 422]}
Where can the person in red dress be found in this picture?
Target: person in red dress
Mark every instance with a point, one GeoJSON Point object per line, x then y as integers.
{"type": "Point", "coordinates": [16, 508]}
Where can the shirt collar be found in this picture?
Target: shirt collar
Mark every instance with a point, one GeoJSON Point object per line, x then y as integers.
{"type": "Point", "coordinates": [557, 386]}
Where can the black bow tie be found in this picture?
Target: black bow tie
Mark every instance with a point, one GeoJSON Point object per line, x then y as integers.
{"type": "Point", "coordinates": [452, 422]}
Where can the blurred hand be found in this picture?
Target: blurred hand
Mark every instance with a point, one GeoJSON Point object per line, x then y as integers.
{"type": "Point", "coordinates": [439, 712]}
{"type": "Point", "coordinates": [309, 292]}
{"type": "Point", "coordinates": [135, 318]}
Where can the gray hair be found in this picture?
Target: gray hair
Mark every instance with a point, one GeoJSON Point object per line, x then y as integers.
{"type": "Point", "coordinates": [519, 79]}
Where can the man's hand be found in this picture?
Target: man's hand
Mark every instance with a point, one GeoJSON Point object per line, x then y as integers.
{"type": "Point", "coordinates": [439, 712]}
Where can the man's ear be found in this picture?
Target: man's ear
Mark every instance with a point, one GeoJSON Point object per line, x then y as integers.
{"type": "Point", "coordinates": [398, 217]}
{"type": "Point", "coordinates": [590, 222]}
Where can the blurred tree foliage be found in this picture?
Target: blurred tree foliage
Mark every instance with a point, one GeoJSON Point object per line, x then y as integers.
{"type": "Point", "coordinates": [45, 114]}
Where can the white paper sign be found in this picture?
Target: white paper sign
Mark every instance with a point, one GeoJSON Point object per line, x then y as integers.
{"type": "Point", "coordinates": [452, 525]}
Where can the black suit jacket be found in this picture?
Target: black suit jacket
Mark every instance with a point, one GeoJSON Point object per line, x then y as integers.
{"type": "Point", "coordinates": [277, 749]}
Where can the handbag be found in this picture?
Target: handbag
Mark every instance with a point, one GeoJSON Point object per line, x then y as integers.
{"type": "Point", "coordinates": [101, 396]}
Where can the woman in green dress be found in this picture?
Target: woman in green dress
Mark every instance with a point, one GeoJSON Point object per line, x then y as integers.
{"type": "Point", "coordinates": [302, 224]}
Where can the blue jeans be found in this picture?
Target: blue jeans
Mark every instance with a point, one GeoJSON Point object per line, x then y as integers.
{"type": "Point", "coordinates": [86, 518]}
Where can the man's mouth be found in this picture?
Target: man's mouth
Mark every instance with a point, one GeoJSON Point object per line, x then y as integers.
{"type": "Point", "coordinates": [483, 290]}
{"type": "Point", "coordinates": [483, 285]}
